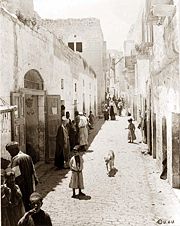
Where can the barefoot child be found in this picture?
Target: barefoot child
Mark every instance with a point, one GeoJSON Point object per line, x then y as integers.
{"type": "Point", "coordinates": [76, 166]}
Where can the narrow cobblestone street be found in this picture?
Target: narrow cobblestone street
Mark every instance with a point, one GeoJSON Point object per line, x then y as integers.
{"type": "Point", "coordinates": [134, 196]}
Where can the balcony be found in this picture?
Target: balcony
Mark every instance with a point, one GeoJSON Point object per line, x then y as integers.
{"type": "Point", "coordinates": [144, 49]}
{"type": "Point", "coordinates": [158, 10]}
{"type": "Point", "coordinates": [130, 62]}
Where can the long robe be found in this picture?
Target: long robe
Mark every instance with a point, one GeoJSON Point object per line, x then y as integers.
{"type": "Point", "coordinates": [112, 114]}
{"type": "Point", "coordinates": [77, 176]}
{"type": "Point", "coordinates": [91, 119]}
{"type": "Point", "coordinates": [26, 178]}
{"type": "Point", "coordinates": [83, 131]}
{"type": "Point", "coordinates": [131, 133]}
{"type": "Point", "coordinates": [72, 134]}
{"type": "Point", "coordinates": [66, 147]}
{"type": "Point", "coordinates": [62, 147]}
{"type": "Point", "coordinates": [59, 155]}
{"type": "Point", "coordinates": [77, 120]}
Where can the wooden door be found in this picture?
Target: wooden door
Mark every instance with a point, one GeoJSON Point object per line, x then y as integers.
{"type": "Point", "coordinates": [176, 150]}
{"type": "Point", "coordinates": [154, 135]}
{"type": "Point", "coordinates": [164, 138]}
{"type": "Point", "coordinates": [18, 120]}
{"type": "Point", "coordinates": [53, 120]}
{"type": "Point", "coordinates": [32, 126]}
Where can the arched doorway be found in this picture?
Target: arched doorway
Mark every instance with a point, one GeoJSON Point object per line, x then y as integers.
{"type": "Point", "coordinates": [33, 80]}
{"type": "Point", "coordinates": [34, 115]}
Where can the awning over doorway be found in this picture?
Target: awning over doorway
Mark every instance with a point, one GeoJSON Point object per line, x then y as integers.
{"type": "Point", "coordinates": [5, 107]}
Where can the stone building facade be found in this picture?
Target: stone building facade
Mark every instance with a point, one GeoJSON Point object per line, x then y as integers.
{"type": "Point", "coordinates": [116, 84]}
{"type": "Point", "coordinates": [39, 73]}
{"type": "Point", "coordinates": [157, 78]}
{"type": "Point", "coordinates": [85, 37]}
{"type": "Point", "coordinates": [165, 89]}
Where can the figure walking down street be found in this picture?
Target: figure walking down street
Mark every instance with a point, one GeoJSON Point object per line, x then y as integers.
{"type": "Point", "coordinates": [120, 106]}
{"type": "Point", "coordinates": [112, 113]}
{"type": "Point", "coordinates": [106, 112]}
{"type": "Point", "coordinates": [36, 216]}
{"type": "Point", "coordinates": [83, 132]}
{"type": "Point", "coordinates": [25, 174]}
{"type": "Point", "coordinates": [62, 146]}
{"type": "Point", "coordinates": [91, 120]}
{"type": "Point", "coordinates": [131, 133]}
{"type": "Point", "coordinates": [76, 166]}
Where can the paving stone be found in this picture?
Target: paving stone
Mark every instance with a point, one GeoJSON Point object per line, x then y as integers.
{"type": "Point", "coordinates": [132, 197]}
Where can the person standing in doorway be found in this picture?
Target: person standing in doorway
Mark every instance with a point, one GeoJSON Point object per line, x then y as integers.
{"type": "Point", "coordinates": [25, 174]}
{"type": "Point", "coordinates": [62, 146]}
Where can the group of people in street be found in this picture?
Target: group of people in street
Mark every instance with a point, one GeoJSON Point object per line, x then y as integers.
{"type": "Point", "coordinates": [113, 107]}
{"type": "Point", "coordinates": [72, 133]}
{"type": "Point", "coordinates": [71, 143]}
{"type": "Point", "coordinates": [20, 203]}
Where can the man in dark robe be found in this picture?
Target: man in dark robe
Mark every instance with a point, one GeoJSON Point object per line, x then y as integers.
{"type": "Point", "coordinates": [25, 175]}
{"type": "Point", "coordinates": [59, 154]}
{"type": "Point", "coordinates": [112, 114]}
{"type": "Point", "coordinates": [62, 146]}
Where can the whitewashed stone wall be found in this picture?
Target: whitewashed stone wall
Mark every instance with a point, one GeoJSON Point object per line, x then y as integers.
{"type": "Point", "coordinates": [166, 82]}
{"type": "Point", "coordinates": [26, 7]}
{"type": "Point", "coordinates": [24, 48]}
{"type": "Point", "coordinates": [88, 31]}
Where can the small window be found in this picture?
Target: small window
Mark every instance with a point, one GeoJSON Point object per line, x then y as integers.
{"type": "Point", "coordinates": [71, 45]}
{"type": "Point", "coordinates": [79, 47]}
{"type": "Point", "coordinates": [62, 83]}
{"type": "Point", "coordinates": [75, 87]}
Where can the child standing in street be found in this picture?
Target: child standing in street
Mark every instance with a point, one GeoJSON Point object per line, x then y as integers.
{"type": "Point", "coordinates": [76, 166]}
{"type": "Point", "coordinates": [131, 133]}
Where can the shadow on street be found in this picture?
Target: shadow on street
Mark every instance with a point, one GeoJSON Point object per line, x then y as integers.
{"type": "Point", "coordinates": [50, 180]}
{"type": "Point", "coordinates": [50, 177]}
